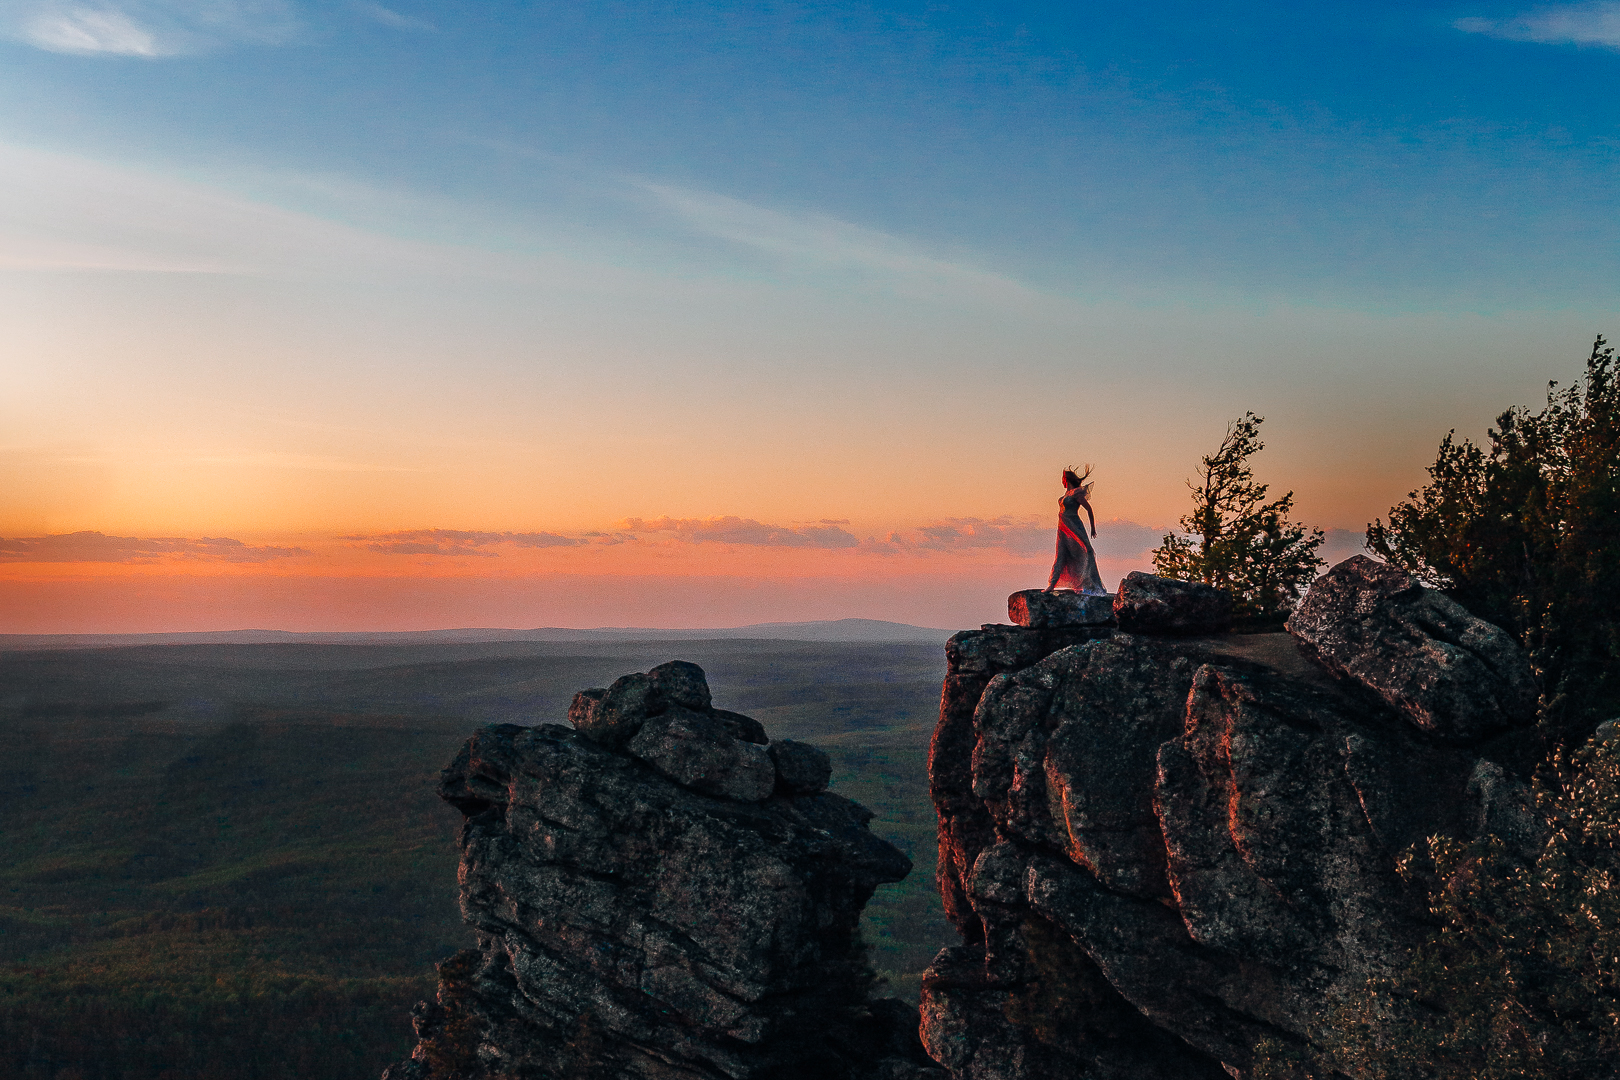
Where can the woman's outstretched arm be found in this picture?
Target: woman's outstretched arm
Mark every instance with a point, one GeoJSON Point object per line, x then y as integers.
{"type": "Point", "coordinates": [1089, 515]}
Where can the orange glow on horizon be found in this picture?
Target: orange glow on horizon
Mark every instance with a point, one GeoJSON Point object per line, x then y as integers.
{"type": "Point", "coordinates": [347, 585]}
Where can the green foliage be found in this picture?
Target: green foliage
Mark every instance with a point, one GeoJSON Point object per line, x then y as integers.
{"type": "Point", "coordinates": [1521, 980]}
{"type": "Point", "coordinates": [118, 1020]}
{"type": "Point", "coordinates": [1235, 539]}
{"type": "Point", "coordinates": [222, 901]}
{"type": "Point", "coordinates": [903, 925]}
{"type": "Point", "coordinates": [1524, 533]}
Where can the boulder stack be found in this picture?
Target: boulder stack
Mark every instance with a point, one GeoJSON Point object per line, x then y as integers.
{"type": "Point", "coordinates": [1148, 604]}
{"type": "Point", "coordinates": [1041, 610]}
{"type": "Point", "coordinates": [659, 894]}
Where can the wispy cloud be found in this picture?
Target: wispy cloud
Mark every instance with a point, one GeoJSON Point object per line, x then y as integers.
{"type": "Point", "coordinates": [1122, 539]}
{"type": "Point", "coordinates": [61, 212]}
{"type": "Point", "coordinates": [1014, 535]}
{"type": "Point", "coordinates": [739, 530]}
{"type": "Point", "coordinates": [1118, 538]}
{"type": "Point", "coordinates": [390, 17]}
{"type": "Point", "coordinates": [1017, 536]}
{"type": "Point", "coordinates": [825, 241]}
{"type": "Point", "coordinates": [1595, 23]}
{"type": "Point", "coordinates": [82, 31]}
{"type": "Point", "coordinates": [459, 541]}
{"type": "Point", "coordinates": [145, 28]}
{"type": "Point", "coordinates": [98, 547]}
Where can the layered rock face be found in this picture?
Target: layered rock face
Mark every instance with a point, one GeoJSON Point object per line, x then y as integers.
{"type": "Point", "coordinates": [658, 893]}
{"type": "Point", "coordinates": [1161, 848]}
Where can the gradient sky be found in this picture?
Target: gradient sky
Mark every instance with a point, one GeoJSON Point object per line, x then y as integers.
{"type": "Point", "coordinates": [354, 316]}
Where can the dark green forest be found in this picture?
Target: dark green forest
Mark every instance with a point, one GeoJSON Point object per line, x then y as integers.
{"type": "Point", "coordinates": [229, 861]}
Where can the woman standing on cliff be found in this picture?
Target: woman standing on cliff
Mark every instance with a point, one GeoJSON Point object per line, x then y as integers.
{"type": "Point", "coordinates": [1076, 564]}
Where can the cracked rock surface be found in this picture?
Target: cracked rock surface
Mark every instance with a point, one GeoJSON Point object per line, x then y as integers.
{"type": "Point", "coordinates": [654, 898]}
{"type": "Point", "coordinates": [1042, 610]}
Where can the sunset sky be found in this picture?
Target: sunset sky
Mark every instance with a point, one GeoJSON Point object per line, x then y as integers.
{"type": "Point", "coordinates": [376, 316]}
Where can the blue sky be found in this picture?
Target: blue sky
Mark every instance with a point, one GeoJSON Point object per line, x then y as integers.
{"type": "Point", "coordinates": [1365, 155]}
{"type": "Point", "coordinates": [272, 268]}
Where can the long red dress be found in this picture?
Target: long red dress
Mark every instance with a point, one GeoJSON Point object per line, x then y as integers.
{"type": "Point", "coordinates": [1075, 566]}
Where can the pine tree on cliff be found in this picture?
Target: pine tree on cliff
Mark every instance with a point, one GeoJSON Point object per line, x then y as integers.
{"type": "Point", "coordinates": [1525, 532]}
{"type": "Point", "coordinates": [1235, 539]}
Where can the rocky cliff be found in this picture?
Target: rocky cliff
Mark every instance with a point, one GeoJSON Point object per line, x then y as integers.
{"type": "Point", "coordinates": [1162, 843]}
{"type": "Point", "coordinates": [660, 893]}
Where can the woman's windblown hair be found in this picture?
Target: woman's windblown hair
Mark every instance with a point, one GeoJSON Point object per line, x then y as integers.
{"type": "Point", "coordinates": [1073, 480]}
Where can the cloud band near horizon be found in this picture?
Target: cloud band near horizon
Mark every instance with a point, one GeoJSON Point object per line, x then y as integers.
{"type": "Point", "coordinates": [1117, 540]}
{"type": "Point", "coordinates": [96, 547]}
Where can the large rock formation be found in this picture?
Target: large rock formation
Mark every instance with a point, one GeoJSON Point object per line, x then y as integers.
{"type": "Point", "coordinates": [1160, 849]}
{"type": "Point", "coordinates": [659, 895]}
{"type": "Point", "coordinates": [1455, 676]}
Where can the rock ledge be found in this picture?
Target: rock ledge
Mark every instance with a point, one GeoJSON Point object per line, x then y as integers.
{"type": "Point", "coordinates": [1042, 610]}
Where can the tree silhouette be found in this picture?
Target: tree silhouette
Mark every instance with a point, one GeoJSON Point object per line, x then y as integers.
{"type": "Point", "coordinates": [1235, 539]}
{"type": "Point", "coordinates": [1525, 532]}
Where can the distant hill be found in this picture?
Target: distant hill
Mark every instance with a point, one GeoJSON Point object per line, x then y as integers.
{"type": "Point", "coordinates": [832, 630]}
